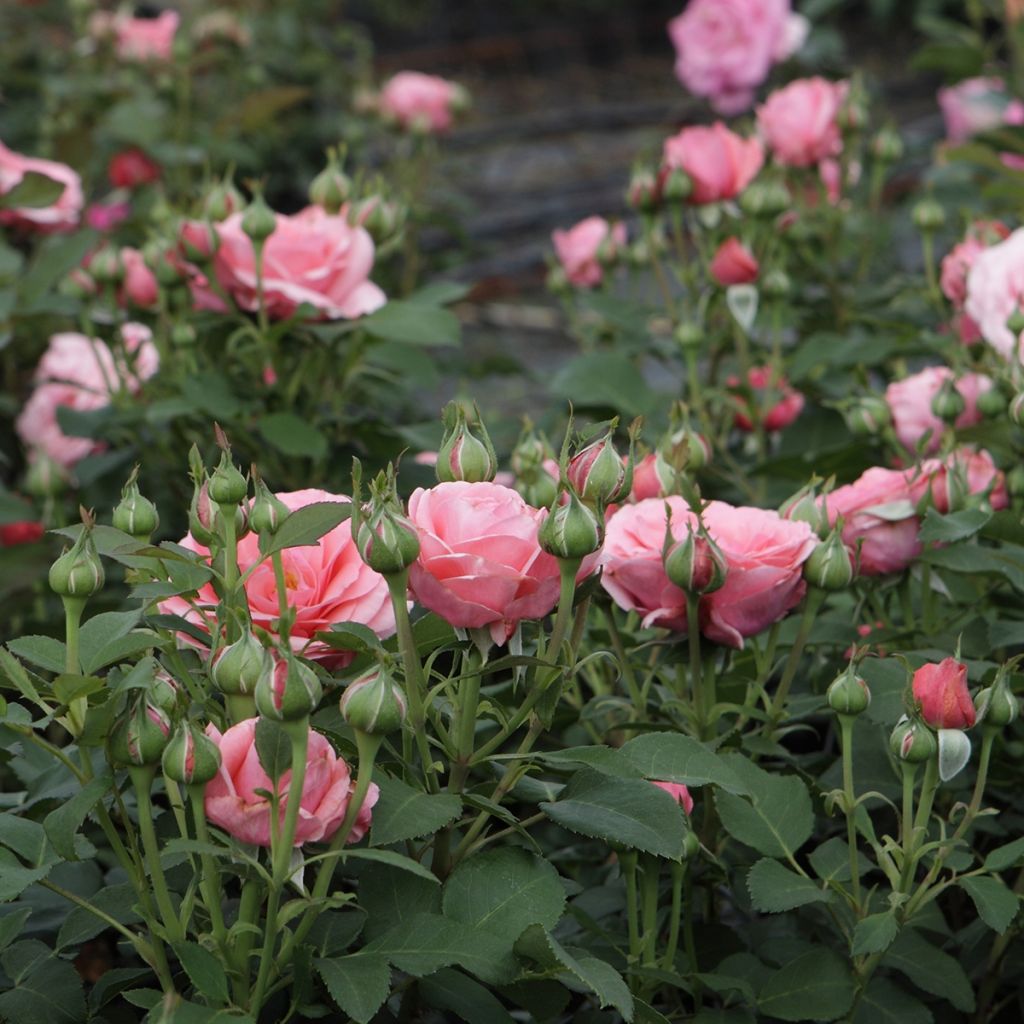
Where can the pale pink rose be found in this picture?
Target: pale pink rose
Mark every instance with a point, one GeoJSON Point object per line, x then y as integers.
{"type": "Point", "coordinates": [581, 248]}
{"type": "Point", "coordinates": [327, 582]}
{"type": "Point", "coordinates": [1012, 161]}
{"type": "Point", "coordinates": [233, 803]}
{"type": "Point", "coordinates": [910, 402]}
{"type": "Point", "coordinates": [312, 257]}
{"type": "Point", "coordinates": [957, 263]}
{"type": "Point", "coordinates": [962, 472]}
{"type": "Point", "coordinates": [778, 403]}
{"type": "Point", "coordinates": [678, 792]}
{"type": "Point", "coordinates": [720, 163]}
{"type": "Point", "coordinates": [726, 48]}
{"type": "Point", "coordinates": [631, 560]}
{"type": "Point", "coordinates": [765, 555]}
{"type": "Point", "coordinates": [977, 105]}
{"type": "Point", "coordinates": [106, 216]}
{"type": "Point", "coordinates": [39, 430]}
{"type": "Point", "coordinates": [480, 564]}
{"type": "Point", "coordinates": [879, 520]}
{"type": "Point", "coordinates": [62, 215]}
{"type": "Point", "coordinates": [995, 288]}
{"type": "Point", "coordinates": [145, 39]}
{"type": "Point", "coordinates": [143, 357]}
{"type": "Point", "coordinates": [734, 263]}
{"type": "Point", "coordinates": [420, 102]}
{"type": "Point", "coordinates": [799, 122]}
{"type": "Point", "coordinates": [139, 287]}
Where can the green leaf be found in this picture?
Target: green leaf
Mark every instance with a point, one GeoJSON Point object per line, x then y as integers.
{"type": "Point", "coordinates": [505, 891]}
{"type": "Point", "coordinates": [391, 896]}
{"type": "Point", "coordinates": [672, 757]}
{"type": "Point", "coordinates": [34, 190]}
{"type": "Point", "coordinates": [53, 261]}
{"type": "Point", "coordinates": [831, 860]}
{"type": "Point", "coordinates": [27, 838]}
{"type": "Point", "coordinates": [15, 879]}
{"type": "Point", "coordinates": [305, 526]}
{"type": "Point", "coordinates": [625, 812]}
{"type": "Point", "coordinates": [953, 527]}
{"type": "Point", "coordinates": [466, 998]}
{"type": "Point", "coordinates": [884, 1002]}
{"type": "Point", "coordinates": [204, 970]}
{"type": "Point", "coordinates": [98, 637]}
{"type": "Point", "coordinates": [427, 942]}
{"type": "Point", "coordinates": [293, 435]}
{"type": "Point", "coordinates": [393, 860]}
{"type": "Point", "coordinates": [996, 904]}
{"type": "Point", "coordinates": [606, 380]}
{"type": "Point", "coordinates": [11, 925]}
{"type": "Point", "coordinates": [63, 822]}
{"type": "Point", "coordinates": [597, 975]}
{"type": "Point", "coordinates": [49, 993]}
{"type": "Point", "coordinates": [273, 748]}
{"type": "Point", "coordinates": [930, 969]}
{"type": "Point", "coordinates": [874, 933]}
{"type": "Point", "coordinates": [414, 323]}
{"type": "Point", "coordinates": [776, 820]}
{"type": "Point", "coordinates": [359, 984]}
{"type": "Point", "coordinates": [602, 759]}
{"type": "Point", "coordinates": [1007, 856]}
{"type": "Point", "coordinates": [815, 986]}
{"type": "Point", "coordinates": [81, 924]}
{"type": "Point", "coordinates": [351, 636]}
{"type": "Point", "coordinates": [46, 652]}
{"type": "Point", "coordinates": [405, 813]}
{"type": "Point", "coordinates": [774, 888]}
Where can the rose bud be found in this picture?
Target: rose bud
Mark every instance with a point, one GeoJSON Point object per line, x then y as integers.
{"type": "Point", "coordinates": [887, 146]}
{"type": "Point", "coordinates": [642, 193]}
{"type": "Point", "coordinates": [199, 241]}
{"type": "Point", "coordinates": [290, 692]}
{"type": "Point", "coordinates": [571, 530]}
{"type": "Point", "coordinates": [678, 792]}
{"type": "Point", "coordinates": [941, 691]}
{"type": "Point", "coordinates": [26, 532]}
{"type": "Point", "coordinates": [996, 705]}
{"type": "Point", "coordinates": [913, 742]}
{"type": "Point", "coordinates": [597, 472]}
{"type": "Point", "coordinates": [258, 221]}
{"type": "Point", "coordinates": [689, 335]}
{"type": "Point", "coordinates": [776, 285]}
{"type": "Point", "coordinates": [106, 265]}
{"type": "Point", "coordinates": [140, 735]}
{"type": "Point", "coordinates": [691, 845]}
{"type": "Point", "coordinates": [1015, 481]}
{"type": "Point", "coordinates": [226, 485]}
{"type": "Point", "coordinates": [135, 514]}
{"type": "Point", "coordinates": [373, 704]}
{"type": "Point", "coordinates": [268, 511]}
{"type": "Point", "coordinates": [222, 200]}
{"type": "Point", "coordinates": [848, 694]}
{"type": "Point", "coordinates": [734, 263]}
{"type": "Point", "coordinates": [132, 168]}
{"type": "Point", "coordinates": [331, 188]}
{"type": "Point", "coordinates": [183, 335]}
{"type": "Point", "coordinates": [1015, 321]}
{"type": "Point", "coordinates": [948, 404]}
{"type": "Point", "coordinates": [202, 515]}
{"type": "Point", "coordinates": [1017, 409]}
{"type": "Point", "coordinates": [191, 758]}
{"type": "Point", "coordinates": [695, 564]}
{"type": "Point", "coordinates": [464, 455]}
{"type": "Point", "coordinates": [867, 416]}
{"type": "Point", "coordinates": [44, 477]}
{"type": "Point", "coordinates": [830, 566]}
{"type": "Point", "coordinates": [677, 187]}
{"type": "Point", "coordinates": [992, 403]}
{"type": "Point", "coordinates": [807, 507]}
{"type": "Point", "coordinates": [238, 667]}
{"type": "Point", "coordinates": [928, 215]}
{"type": "Point", "coordinates": [164, 692]}
{"type": "Point", "coordinates": [162, 260]}
{"type": "Point", "coordinates": [78, 572]}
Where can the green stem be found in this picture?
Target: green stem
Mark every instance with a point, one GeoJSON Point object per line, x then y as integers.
{"type": "Point", "coordinates": [907, 822]}
{"type": "Point", "coordinates": [283, 616]}
{"type": "Point", "coordinates": [73, 609]}
{"type": "Point", "coordinates": [678, 869]}
{"type": "Point", "coordinates": [696, 677]}
{"type": "Point", "coordinates": [812, 605]}
{"type": "Point", "coordinates": [627, 669]}
{"type": "Point", "coordinates": [688, 938]}
{"type": "Point", "coordinates": [628, 859]}
{"type": "Point", "coordinates": [210, 878]}
{"type": "Point", "coordinates": [649, 883]}
{"type": "Point", "coordinates": [846, 729]}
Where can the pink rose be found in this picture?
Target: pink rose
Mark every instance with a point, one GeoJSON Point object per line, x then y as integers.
{"type": "Point", "coordinates": [778, 403]}
{"type": "Point", "coordinates": [957, 263]}
{"type": "Point", "coordinates": [765, 554]}
{"type": "Point", "coordinates": [106, 216]}
{"type": "Point", "coordinates": [879, 520]}
{"type": "Point", "coordinates": [580, 249]}
{"type": "Point", "coordinates": [480, 563]}
{"type": "Point", "coordinates": [145, 39]}
{"type": "Point", "coordinates": [61, 215]}
{"type": "Point", "coordinates": [962, 472]}
{"type": "Point", "coordinates": [941, 690]}
{"type": "Point", "coordinates": [977, 105]}
{"type": "Point", "coordinates": [726, 48]}
{"type": "Point", "coordinates": [678, 792]}
{"type": "Point", "coordinates": [995, 288]}
{"type": "Point", "coordinates": [910, 402]}
{"type": "Point", "coordinates": [312, 257]}
{"type": "Point", "coordinates": [800, 121]}
{"type": "Point", "coordinates": [39, 430]}
{"type": "Point", "coordinates": [131, 168]}
{"type": "Point", "coordinates": [139, 287]}
{"type": "Point", "coordinates": [234, 804]}
{"type": "Point", "coordinates": [327, 582]}
{"type": "Point", "coordinates": [631, 560]}
{"type": "Point", "coordinates": [720, 163]}
{"type": "Point", "coordinates": [420, 102]}
{"type": "Point", "coordinates": [734, 263]}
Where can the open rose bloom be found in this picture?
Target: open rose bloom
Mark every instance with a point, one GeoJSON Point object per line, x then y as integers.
{"type": "Point", "coordinates": [800, 122]}
{"type": "Point", "coordinates": [995, 289]}
{"type": "Point", "coordinates": [420, 102]}
{"type": "Point", "coordinates": [720, 163]}
{"type": "Point", "coordinates": [233, 803]}
{"type": "Point", "coordinates": [910, 402]}
{"type": "Point", "coordinates": [977, 105]}
{"type": "Point", "coordinates": [61, 215]}
{"type": "Point", "coordinates": [580, 249]}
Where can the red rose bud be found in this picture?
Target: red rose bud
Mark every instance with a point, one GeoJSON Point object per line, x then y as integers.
{"type": "Point", "coordinates": [78, 572]}
{"type": "Point", "coordinates": [678, 792]}
{"type": "Point", "coordinates": [140, 735]}
{"type": "Point", "coordinates": [695, 564]}
{"type": "Point", "coordinates": [268, 511]}
{"type": "Point", "coordinates": [830, 566]}
{"type": "Point", "coordinates": [913, 742]}
{"type": "Point", "coordinates": [131, 168]}
{"type": "Point", "coordinates": [199, 240]}
{"type": "Point", "coordinates": [14, 534]}
{"type": "Point", "coordinates": [848, 694]}
{"type": "Point", "coordinates": [191, 758]}
{"type": "Point", "coordinates": [331, 188]}
{"type": "Point", "coordinates": [868, 416]}
{"type": "Point", "coordinates": [597, 473]}
{"type": "Point", "coordinates": [941, 691]}
{"type": "Point", "coordinates": [464, 455]}
{"type": "Point", "coordinates": [238, 667]}
{"type": "Point", "coordinates": [734, 263]}
{"type": "Point", "coordinates": [135, 514]}
{"type": "Point", "coordinates": [948, 404]}
{"type": "Point", "coordinates": [373, 704]}
{"type": "Point", "coordinates": [571, 530]}
{"type": "Point", "coordinates": [290, 692]}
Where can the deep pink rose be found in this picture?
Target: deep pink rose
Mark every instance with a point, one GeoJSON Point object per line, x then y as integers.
{"type": "Point", "coordinates": [678, 792]}
{"type": "Point", "coordinates": [106, 216]}
{"type": "Point", "coordinates": [233, 803]}
{"type": "Point", "coordinates": [581, 248]}
{"type": "Point", "coordinates": [799, 122]}
{"type": "Point", "coordinates": [779, 404]}
{"type": "Point", "coordinates": [480, 564]}
{"type": "Point", "coordinates": [962, 472]}
{"type": "Point", "coordinates": [139, 287]}
{"type": "Point", "coordinates": [726, 48]}
{"type": "Point", "coordinates": [977, 105]}
{"type": "Point", "coordinates": [765, 555]}
{"type": "Point", "coordinates": [145, 39]}
{"type": "Point", "coordinates": [131, 168]}
{"type": "Point", "coordinates": [910, 402]}
{"type": "Point", "coordinates": [942, 692]}
{"type": "Point", "coordinates": [957, 263]}
{"type": "Point", "coordinates": [631, 560]}
{"type": "Point", "coordinates": [995, 288]}
{"type": "Point", "coordinates": [327, 582]}
{"type": "Point", "coordinates": [879, 520]}
{"type": "Point", "coordinates": [734, 263]}
{"type": "Point", "coordinates": [312, 257]}
{"type": "Point", "coordinates": [720, 163]}
{"type": "Point", "coordinates": [420, 102]}
{"type": "Point", "coordinates": [62, 215]}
